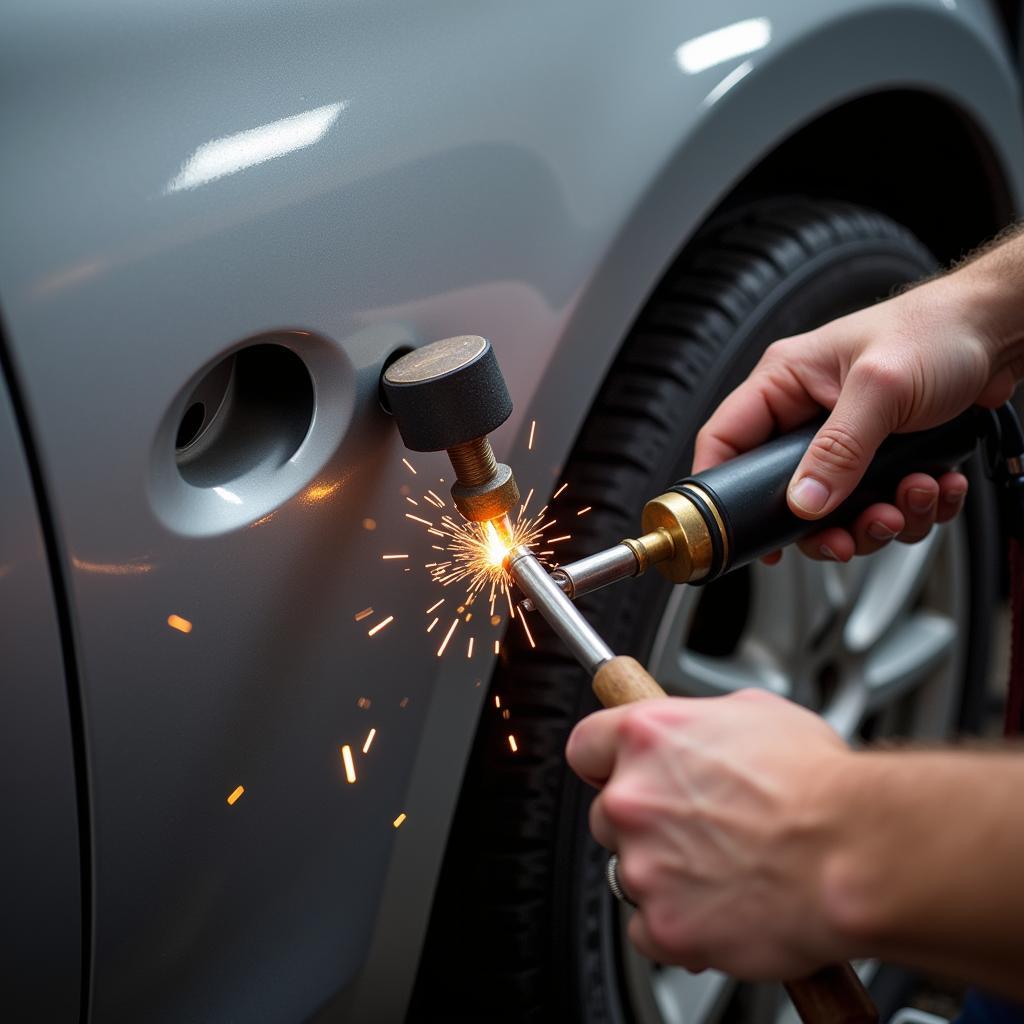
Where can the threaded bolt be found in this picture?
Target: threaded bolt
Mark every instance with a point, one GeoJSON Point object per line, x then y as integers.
{"type": "Point", "coordinates": [473, 462]}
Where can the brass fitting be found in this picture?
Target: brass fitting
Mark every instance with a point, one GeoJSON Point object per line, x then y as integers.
{"type": "Point", "coordinates": [692, 551]}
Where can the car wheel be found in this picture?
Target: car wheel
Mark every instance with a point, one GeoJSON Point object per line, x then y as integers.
{"type": "Point", "coordinates": [523, 926]}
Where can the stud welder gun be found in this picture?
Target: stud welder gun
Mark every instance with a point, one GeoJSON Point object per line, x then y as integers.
{"type": "Point", "coordinates": [450, 395]}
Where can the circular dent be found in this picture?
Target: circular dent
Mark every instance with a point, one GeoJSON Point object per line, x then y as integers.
{"type": "Point", "coordinates": [277, 408]}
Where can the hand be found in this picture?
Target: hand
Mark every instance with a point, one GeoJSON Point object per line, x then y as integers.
{"type": "Point", "coordinates": [722, 812]}
{"type": "Point", "coordinates": [910, 363]}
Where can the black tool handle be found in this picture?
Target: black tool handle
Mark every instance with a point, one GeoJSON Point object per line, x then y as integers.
{"type": "Point", "coordinates": [749, 492]}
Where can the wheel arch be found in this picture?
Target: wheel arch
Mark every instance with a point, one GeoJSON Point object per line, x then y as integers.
{"type": "Point", "coordinates": [905, 110]}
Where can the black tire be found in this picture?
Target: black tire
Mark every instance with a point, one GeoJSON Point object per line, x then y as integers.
{"type": "Point", "coordinates": [522, 928]}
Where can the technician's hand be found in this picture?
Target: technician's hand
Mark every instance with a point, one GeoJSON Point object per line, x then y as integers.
{"type": "Point", "coordinates": [910, 363]}
{"type": "Point", "coordinates": [723, 814]}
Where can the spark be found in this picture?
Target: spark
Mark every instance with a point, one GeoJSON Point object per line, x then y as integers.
{"type": "Point", "coordinates": [380, 625]}
{"type": "Point", "coordinates": [448, 636]}
{"type": "Point", "coordinates": [559, 491]}
{"type": "Point", "coordinates": [369, 524]}
{"type": "Point", "coordinates": [533, 427]}
{"type": "Point", "coordinates": [437, 498]}
{"type": "Point", "coordinates": [526, 629]}
{"type": "Point", "coordinates": [497, 646]}
{"type": "Point", "coordinates": [363, 702]}
{"type": "Point", "coordinates": [403, 702]}
{"type": "Point", "coordinates": [235, 794]}
{"type": "Point", "coordinates": [350, 768]}
{"type": "Point", "coordinates": [398, 821]}
{"type": "Point", "coordinates": [512, 743]}
{"type": "Point", "coordinates": [506, 714]}
{"type": "Point", "coordinates": [497, 701]}
{"type": "Point", "coordinates": [387, 557]}
{"type": "Point", "coordinates": [433, 624]}
{"type": "Point", "coordinates": [434, 607]}
{"type": "Point", "coordinates": [178, 623]}
{"type": "Point", "coordinates": [365, 613]}
{"type": "Point", "coordinates": [469, 650]}
{"type": "Point", "coordinates": [412, 501]}
{"type": "Point", "coordinates": [527, 502]}
{"type": "Point", "coordinates": [425, 522]}
{"type": "Point", "coordinates": [555, 540]}
{"type": "Point", "coordinates": [584, 511]}
{"type": "Point", "coordinates": [369, 740]}
{"type": "Point", "coordinates": [409, 466]}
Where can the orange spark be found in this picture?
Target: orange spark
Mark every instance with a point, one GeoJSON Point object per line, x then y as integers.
{"type": "Point", "coordinates": [409, 466]}
{"type": "Point", "coordinates": [448, 636]}
{"type": "Point", "coordinates": [369, 740]}
{"type": "Point", "coordinates": [533, 427]}
{"type": "Point", "coordinates": [369, 524]}
{"type": "Point", "coordinates": [555, 540]}
{"type": "Point", "coordinates": [363, 702]}
{"type": "Point", "coordinates": [512, 743]}
{"type": "Point", "coordinates": [584, 511]}
{"type": "Point", "coordinates": [380, 625]}
{"type": "Point", "coordinates": [235, 794]}
{"type": "Point", "coordinates": [388, 557]}
{"type": "Point", "coordinates": [403, 702]}
{"type": "Point", "coordinates": [526, 628]}
{"type": "Point", "coordinates": [497, 646]}
{"type": "Point", "coordinates": [178, 623]}
{"type": "Point", "coordinates": [412, 501]}
{"type": "Point", "coordinates": [416, 519]}
{"type": "Point", "coordinates": [350, 768]}
{"type": "Point", "coordinates": [359, 616]}
{"type": "Point", "coordinates": [469, 651]}
{"type": "Point", "coordinates": [398, 821]}
{"type": "Point", "coordinates": [497, 701]}
{"type": "Point", "coordinates": [434, 607]}
{"type": "Point", "coordinates": [559, 491]}
{"type": "Point", "coordinates": [433, 624]}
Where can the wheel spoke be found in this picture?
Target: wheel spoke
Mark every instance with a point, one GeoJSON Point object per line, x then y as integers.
{"type": "Point", "coordinates": [906, 657]}
{"type": "Point", "coordinates": [703, 676]}
{"type": "Point", "coordinates": [894, 580]}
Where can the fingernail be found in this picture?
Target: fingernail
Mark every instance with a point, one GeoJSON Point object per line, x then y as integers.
{"type": "Point", "coordinates": [952, 497]}
{"type": "Point", "coordinates": [879, 531]}
{"type": "Point", "coordinates": [809, 494]}
{"type": "Point", "coordinates": [828, 553]}
{"type": "Point", "coordinates": [920, 500]}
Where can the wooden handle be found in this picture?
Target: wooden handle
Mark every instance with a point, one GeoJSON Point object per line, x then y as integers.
{"type": "Point", "coordinates": [833, 995]}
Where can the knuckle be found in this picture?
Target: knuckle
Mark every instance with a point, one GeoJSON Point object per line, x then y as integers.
{"type": "Point", "coordinates": [837, 448]}
{"type": "Point", "coordinates": [880, 374]}
{"type": "Point", "coordinates": [621, 806]}
{"type": "Point", "coordinates": [636, 875]}
{"type": "Point", "coordinates": [667, 930]}
{"type": "Point", "coordinates": [638, 729]}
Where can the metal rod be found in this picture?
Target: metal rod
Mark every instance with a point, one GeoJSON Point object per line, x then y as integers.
{"type": "Point", "coordinates": [594, 572]}
{"type": "Point", "coordinates": [558, 611]}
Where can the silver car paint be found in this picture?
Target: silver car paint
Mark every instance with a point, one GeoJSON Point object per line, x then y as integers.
{"type": "Point", "coordinates": [524, 171]}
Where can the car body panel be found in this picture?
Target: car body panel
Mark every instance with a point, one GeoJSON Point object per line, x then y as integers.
{"type": "Point", "coordinates": [40, 891]}
{"type": "Point", "coordinates": [182, 179]}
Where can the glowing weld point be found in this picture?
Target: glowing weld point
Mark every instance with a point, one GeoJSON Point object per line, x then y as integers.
{"type": "Point", "coordinates": [387, 557]}
{"type": "Point", "coordinates": [526, 629]}
{"type": "Point", "coordinates": [398, 821]}
{"type": "Point", "coordinates": [559, 491]}
{"type": "Point", "coordinates": [512, 743]}
{"type": "Point", "coordinates": [235, 794]}
{"type": "Point", "coordinates": [448, 636]}
{"type": "Point", "coordinates": [409, 466]}
{"type": "Point", "coordinates": [369, 740]}
{"type": "Point", "coordinates": [380, 625]}
{"type": "Point", "coordinates": [350, 768]}
{"type": "Point", "coordinates": [533, 427]}
{"type": "Point", "coordinates": [178, 623]}
{"type": "Point", "coordinates": [365, 613]}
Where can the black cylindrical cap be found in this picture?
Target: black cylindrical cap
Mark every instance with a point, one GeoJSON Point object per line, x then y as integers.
{"type": "Point", "coordinates": [447, 393]}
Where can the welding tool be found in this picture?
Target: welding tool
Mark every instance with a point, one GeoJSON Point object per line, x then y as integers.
{"type": "Point", "coordinates": [451, 395]}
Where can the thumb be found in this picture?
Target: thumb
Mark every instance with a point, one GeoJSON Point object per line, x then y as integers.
{"type": "Point", "coordinates": [841, 452]}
